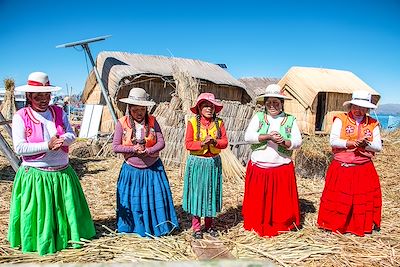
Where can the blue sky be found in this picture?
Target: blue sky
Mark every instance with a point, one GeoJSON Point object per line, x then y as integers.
{"type": "Point", "coordinates": [254, 38]}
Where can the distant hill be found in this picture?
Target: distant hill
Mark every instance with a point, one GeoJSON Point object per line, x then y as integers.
{"type": "Point", "coordinates": [390, 109]}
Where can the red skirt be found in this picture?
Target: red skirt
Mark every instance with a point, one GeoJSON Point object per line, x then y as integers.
{"type": "Point", "coordinates": [271, 203]}
{"type": "Point", "coordinates": [352, 200]}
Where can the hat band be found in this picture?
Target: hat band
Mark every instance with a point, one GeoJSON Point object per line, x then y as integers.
{"type": "Point", "coordinates": [364, 99]}
{"type": "Point", "coordinates": [138, 98]}
{"type": "Point", "coordinates": [35, 83]}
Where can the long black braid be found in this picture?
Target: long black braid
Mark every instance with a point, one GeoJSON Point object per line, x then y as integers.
{"type": "Point", "coordinates": [216, 120]}
{"type": "Point", "coordinates": [28, 101]}
{"type": "Point", "coordinates": [146, 126]}
{"type": "Point", "coordinates": [198, 126]}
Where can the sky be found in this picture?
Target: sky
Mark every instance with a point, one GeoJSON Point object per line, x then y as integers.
{"type": "Point", "coordinates": [253, 38]}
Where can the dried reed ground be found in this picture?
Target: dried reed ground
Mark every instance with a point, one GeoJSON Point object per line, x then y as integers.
{"type": "Point", "coordinates": [307, 247]}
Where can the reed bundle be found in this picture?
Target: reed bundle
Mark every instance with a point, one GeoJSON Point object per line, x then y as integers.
{"type": "Point", "coordinates": [8, 107]}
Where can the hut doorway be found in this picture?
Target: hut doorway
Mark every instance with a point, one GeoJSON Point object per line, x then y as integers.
{"type": "Point", "coordinates": [321, 112]}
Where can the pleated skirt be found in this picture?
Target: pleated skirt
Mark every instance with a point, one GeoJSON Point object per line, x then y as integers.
{"type": "Point", "coordinates": [202, 189]}
{"type": "Point", "coordinates": [48, 209]}
{"type": "Point", "coordinates": [352, 200]}
{"type": "Point", "coordinates": [144, 201]}
{"type": "Point", "coordinates": [270, 204]}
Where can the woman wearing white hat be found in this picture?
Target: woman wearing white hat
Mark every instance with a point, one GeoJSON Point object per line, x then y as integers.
{"type": "Point", "coordinates": [351, 201]}
{"type": "Point", "coordinates": [48, 207]}
{"type": "Point", "coordinates": [271, 204]}
{"type": "Point", "coordinates": [144, 198]}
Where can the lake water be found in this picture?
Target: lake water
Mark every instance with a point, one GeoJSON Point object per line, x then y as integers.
{"type": "Point", "coordinates": [384, 120]}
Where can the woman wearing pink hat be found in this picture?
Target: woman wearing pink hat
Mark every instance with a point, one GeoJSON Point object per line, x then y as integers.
{"type": "Point", "coordinates": [48, 207]}
{"type": "Point", "coordinates": [352, 201]}
{"type": "Point", "coordinates": [271, 204]}
{"type": "Point", "coordinates": [205, 137]}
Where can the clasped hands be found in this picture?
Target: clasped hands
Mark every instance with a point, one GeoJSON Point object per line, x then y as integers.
{"type": "Point", "coordinates": [139, 149]}
{"type": "Point", "coordinates": [275, 137]}
{"type": "Point", "coordinates": [358, 143]}
{"type": "Point", "coordinates": [209, 141]}
{"type": "Point", "coordinates": [55, 142]}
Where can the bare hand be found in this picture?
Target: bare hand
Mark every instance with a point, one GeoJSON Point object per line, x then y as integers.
{"type": "Point", "coordinates": [55, 142]}
{"type": "Point", "coordinates": [138, 149]}
{"type": "Point", "coordinates": [358, 143]}
{"type": "Point", "coordinates": [209, 141]}
{"type": "Point", "coordinates": [276, 137]}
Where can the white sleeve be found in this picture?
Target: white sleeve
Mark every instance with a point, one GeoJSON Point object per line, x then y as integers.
{"type": "Point", "coordinates": [295, 138]}
{"type": "Point", "coordinates": [251, 135]}
{"type": "Point", "coordinates": [21, 146]}
{"type": "Point", "coordinates": [376, 144]}
{"type": "Point", "coordinates": [69, 132]}
{"type": "Point", "coordinates": [334, 139]}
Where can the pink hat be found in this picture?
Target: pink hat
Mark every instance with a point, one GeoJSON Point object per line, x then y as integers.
{"type": "Point", "coordinates": [206, 97]}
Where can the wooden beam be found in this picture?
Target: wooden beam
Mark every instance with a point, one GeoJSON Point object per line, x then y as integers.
{"type": "Point", "coordinates": [9, 153]}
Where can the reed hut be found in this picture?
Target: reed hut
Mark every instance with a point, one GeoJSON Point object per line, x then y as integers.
{"type": "Point", "coordinates": [318, 94]}
{"type": "Point", "coordinates": [256, 85]}
{"type": "Point", "coordinates": [174, 84]}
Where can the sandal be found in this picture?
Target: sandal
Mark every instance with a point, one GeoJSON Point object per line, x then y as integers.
{"type": "Point", "coordinates": [213, 232]}
{"type": "Point", "coordinates": [198, 235]}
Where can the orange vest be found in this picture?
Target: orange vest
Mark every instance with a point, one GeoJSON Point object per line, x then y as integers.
{"type": "Point", "coordinates": [150, 139]}
{"type": "Point", "coordinates": [350, 131]}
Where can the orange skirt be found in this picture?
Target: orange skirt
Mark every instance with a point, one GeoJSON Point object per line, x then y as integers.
{"type": "Point", "coordinates": [352, 200]}
{"type": "Point", "coordinates": [271, 203]}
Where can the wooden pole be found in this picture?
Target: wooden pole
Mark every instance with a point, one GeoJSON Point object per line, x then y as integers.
{"type": "Point", "coordinates": [9, 153]}
{"type": "Point", "coordinates": [5, 147]}
{"type": "Point", "coordinates": [6, 125]}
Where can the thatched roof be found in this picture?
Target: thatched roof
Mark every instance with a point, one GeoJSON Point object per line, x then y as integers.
{"type": "Point", "coordinates": [304, 83]}
{"type": "Point", "coordinates": [115, 66]}
{"type": "Point", "coordinates": [256, 85]}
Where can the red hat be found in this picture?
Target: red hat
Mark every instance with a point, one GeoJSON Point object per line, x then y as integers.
{"type": "Point", "coordinates": [206, 97]}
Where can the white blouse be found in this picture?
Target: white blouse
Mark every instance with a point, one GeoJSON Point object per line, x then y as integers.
{"type": "Point", "coordinates": [269, 157]}
{"type": "Point", "coordinates": [23, 148]}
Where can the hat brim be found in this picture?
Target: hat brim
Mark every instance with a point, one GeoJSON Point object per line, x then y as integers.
{"type": "Point", "coordinates": [218, 106]}
{"type": "Point", "coordinates": [261, 97]}
{"type": "Point", "coordinates": [360, 103]}
{"type": "Point", "coordinates": [137, 102]}
{"type": "Point", "coordinates": [37, 89]}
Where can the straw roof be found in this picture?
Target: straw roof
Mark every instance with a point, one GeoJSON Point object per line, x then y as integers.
{"type": "Point", "coordinates": [256, 85]}
{"type": "Point", "coordinates": [304, 83]}
{"type": "Point", "coordinates": [115, 66]}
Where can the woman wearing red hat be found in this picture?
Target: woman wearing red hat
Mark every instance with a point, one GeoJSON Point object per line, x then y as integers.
{"type": "Point", "coordinates": [205, 137]}
{"type": "Point", "coordinates": [271, 204]}
{"type": "Point", "coordinates": [352, 201]}
{"type": "Point", "coordinates": [48, 207]}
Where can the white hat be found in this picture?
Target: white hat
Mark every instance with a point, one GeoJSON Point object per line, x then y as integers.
{"type": "Point", "coordinates": [360, 98]}
{"type": "Point", "coordinates": [38, 82]}
{"type": "Point", "coordinates": [138, 96]}
{"type": "Point", "coordinates": [273, 90]}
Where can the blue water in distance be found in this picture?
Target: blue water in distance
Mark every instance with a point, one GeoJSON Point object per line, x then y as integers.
{"type": "Point", "coordinates": [383, 119]}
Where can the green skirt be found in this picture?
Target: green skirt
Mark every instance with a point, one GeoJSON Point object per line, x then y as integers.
{"type": "Point", "coordinates": [202, 189]}
{"type": "Point", "coordinates": [48, 209]}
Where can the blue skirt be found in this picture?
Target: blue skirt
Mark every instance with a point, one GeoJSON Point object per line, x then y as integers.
{"type": "Point", "coordinates": [144, 201]}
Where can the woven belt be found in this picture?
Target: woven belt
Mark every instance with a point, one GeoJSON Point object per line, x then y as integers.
{"type": "Point", "coordinates": [52, 169]}
{"type": "Point", "coordinates": [348, 165]}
